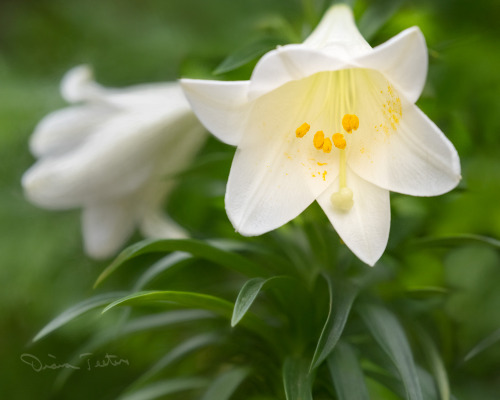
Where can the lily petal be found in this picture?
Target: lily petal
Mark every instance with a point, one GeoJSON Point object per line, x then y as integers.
{"type": "Point", "coordinates": [159, 225]}
{"type": "Point", "coordinates": [264, 197]}
{"type": "Point", "coordinates": [164, 96]}
{"type": "Point", "coordinates": [276, 175]}
{"type": "Point", "coordinates": [338, 27]}
{"type": "Point", "coordinates": [78, 85]}
{"type": "Point", "coordinates": [403, 60]}
{"type": "Point", "coordinates": [415, 159]}
{"type": "Point", "coordinates": [97, 167]}
{"type": "Point", "coordinates": [365, 227]}
{"type": "Point", "coordinates": [65, 129]}
{"type": "Point", "coordinates": [220, 106]}
{"type": "Point", "coordinates": [290, 63]}
{"type": "Point", "coordinates": [106, 227]}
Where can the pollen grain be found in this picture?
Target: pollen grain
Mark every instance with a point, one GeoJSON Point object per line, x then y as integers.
{"type": "Point", "coordinates": [319, 138]}
{"type": "Point", "coordinates": [350, 122]}
{"type": "Point", "coordinates": [302, 130]}
{"type": "Point", "coordinates": [339, 141]}
{"type": "Point", "coordinates": [327, 145]}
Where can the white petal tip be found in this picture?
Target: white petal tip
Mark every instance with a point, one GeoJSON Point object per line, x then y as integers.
{"type": "Point", "coordinates": [33, 185]}
{"type": "Point", "coordinates": [157, 225]}
{"type": "Point", "coordinates": [98, 251]}
{"type": "Point", "coordinates": [368, 259]}
{"type": "Point", "coordinates": [75, 83]}
{"type": "Point", "coordinates": [340, 7]}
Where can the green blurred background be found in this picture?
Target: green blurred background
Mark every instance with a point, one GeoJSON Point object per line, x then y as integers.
{"type": "Point", "coordinates": [44, 270]}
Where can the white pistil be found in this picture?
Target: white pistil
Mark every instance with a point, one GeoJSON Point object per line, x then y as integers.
{"type": "Point", "coordinates": [343, 199]}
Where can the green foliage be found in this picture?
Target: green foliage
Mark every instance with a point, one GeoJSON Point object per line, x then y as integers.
{"type": "Point", "coordinates": [347, 375]}
{"type": "Point", "coordinates": [390, 336]}
{"type": "Point", "coordinates": [246, 54]}
{"type": "Point", "coordinates": [226, 258]}
{"type": "Point", "coordinates": [224, 386]}
{"type": "Point", "coordinates": [77, 310]}
{"type": "Point", "coordinates": [296, 379]}
{"type": "Point", "coordinates": [341, 299]}
{"type": "Point", "coordinates": [159, 389]}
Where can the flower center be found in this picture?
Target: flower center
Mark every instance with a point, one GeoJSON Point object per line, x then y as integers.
{"type": "Point", "coordinates": [343, 199]}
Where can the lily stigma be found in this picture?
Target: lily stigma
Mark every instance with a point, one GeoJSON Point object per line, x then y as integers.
{"type": "Point", "coordinates": [332, 120]}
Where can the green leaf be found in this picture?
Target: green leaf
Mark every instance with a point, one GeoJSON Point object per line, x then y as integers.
{"type": "Point", "coordinates": [163, 388]}
{"type": "Point", "coordinates": [297, 380]}
{"type": "Point", "coordinates": [246, 54]}
{"type": "Point", "coordinates": [435, 362]}
{"type": "Point", "coordinates": [160, 266]}
{"type": "Point", "coordinates": [392, 383]}
{"type": "Point", "coordinates": [342, 296]}
{"type": "Point", "coordinates": [246, 297]}
{"type": "Point", "coordinates": [248, 294]}
{"type": "Point", "coordinates": [390, 336]}
{"type": "Point", "coordinates": [178, 352]}
{"type": "Point", "coordinates": [346, 373]}
{"type": "Point", "coordinates": [137, 325]}
{"type": "Point", "coordinates": [377, 16]}
{"type": "Point", "coordinates": [458, 241]}
{"type": "Point", "coordinates": [483, 345]}
{"type": "Point", "coordinates": [224, 386]}
{"type": "Point", "coordinates": [210, 251]}
{"type": "Point", "coordinates": [77, 310]}
{"type": "Point", "coordinates": [188, 299]}
{"type": "Point", "coordinates": [214, 304]}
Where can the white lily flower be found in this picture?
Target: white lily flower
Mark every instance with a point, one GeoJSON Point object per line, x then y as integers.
{"type": "Point", "coordinates": [110, 155]}
{"type": "Point", "coordinates": [331, 120]}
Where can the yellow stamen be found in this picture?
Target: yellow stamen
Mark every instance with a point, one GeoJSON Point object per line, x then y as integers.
{"type": "Point", "coordinates": [350, 122]}
{"type": "Point", "coordinates": [302, 130]}
{"type": "Point", "coordinates": [327, 145]}
{"type": "Point", "coordinates": [339, 141]}
{"type": "Point", "coordinates": [319, 138]}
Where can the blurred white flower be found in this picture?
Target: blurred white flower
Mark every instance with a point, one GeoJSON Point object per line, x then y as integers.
{"type": "Point", "coordinates": [331, 120]}
{"type": "Point", "coordinates": [110, 155]}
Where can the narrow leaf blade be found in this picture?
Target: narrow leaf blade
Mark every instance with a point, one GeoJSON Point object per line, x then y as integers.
{"type": "Point", "coordinates": [224, 386]}
{"type": "Point", "coordinates": [376, 16]}
{"type": "Point", "coordinates": [249, 293]}
{"type": "Point", "coordinates": [390, 336]}
{"type": "Point", "coordinates": [342, 296]}
{"type": "Point", "coordinates": [297, 380]}
{"type": "Point", "coordinates": [77, 310]}
{"type": "Point", "coordinates": [436, 364]}
{"type": "Point", "coordinates": [159, 389]}
{"type": "Point", "coordinates": [483, 345]}
{"type": "Point", "coordinates": [246, 54]}
{"type": "Point", "coordinates": [346, 373]}
{"type": "Point", "coordinates": [205, 250]}
{"type": "Point", "coordinates": [160, 266]}
{"type": "Point", "coordinates": [201, 301]}
{"type": "Point", "coordinates": [178, 352]}
{"type": "Point", "coordinates": [187, 299]}
{"type": "Point", "coordinates": [246, 297]}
